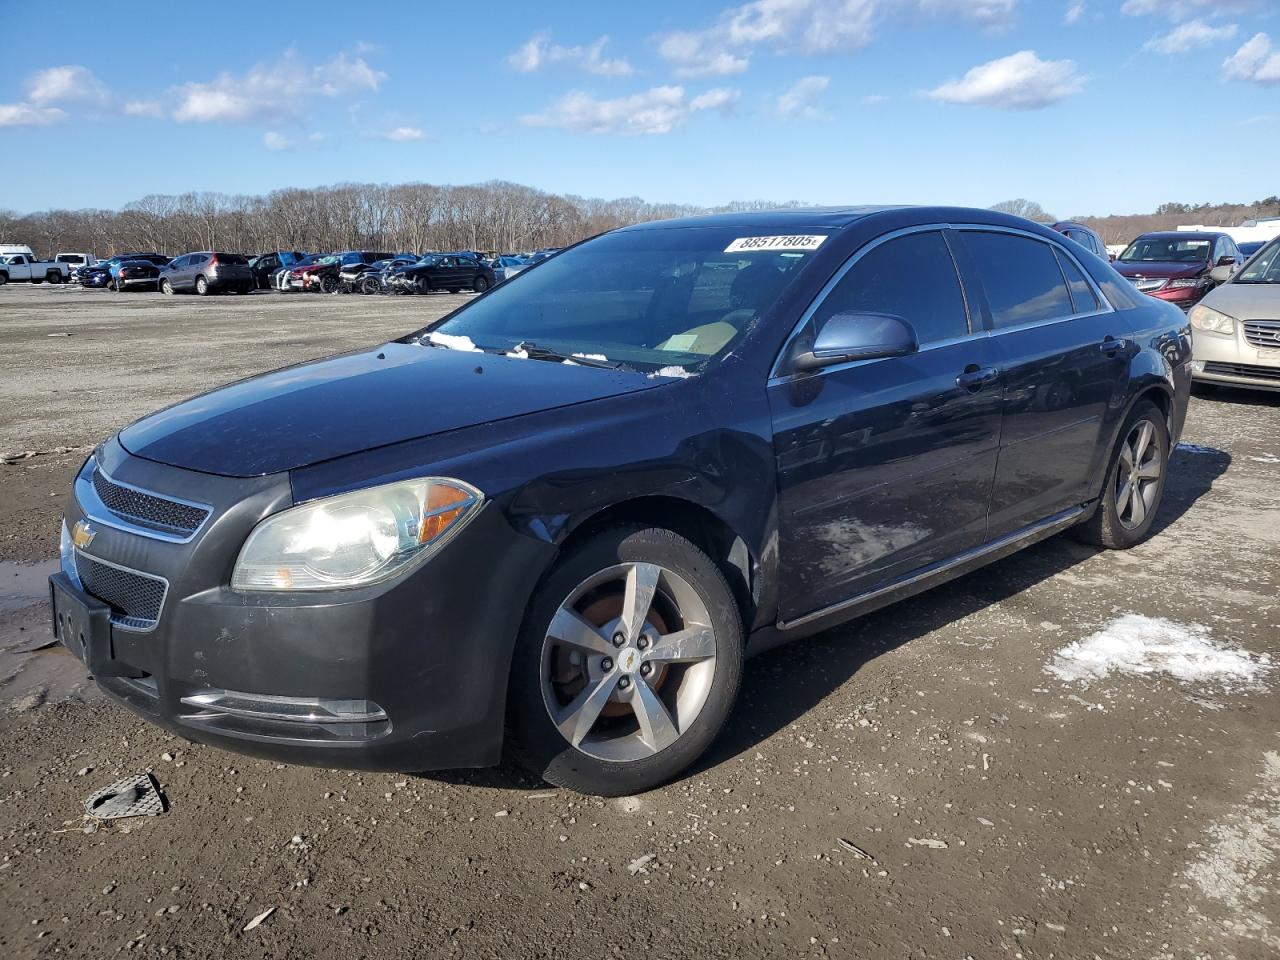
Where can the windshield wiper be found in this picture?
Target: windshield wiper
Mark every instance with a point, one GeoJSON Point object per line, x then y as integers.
{"type": "Point", "coordinates": [537, 352]}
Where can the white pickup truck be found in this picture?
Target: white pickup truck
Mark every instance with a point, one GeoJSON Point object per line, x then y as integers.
{"type": "Point", "coordinates": [21, 266]}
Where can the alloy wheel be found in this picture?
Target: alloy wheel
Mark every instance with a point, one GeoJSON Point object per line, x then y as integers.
{"type": "Point", "coordinates": [1138, 475]}
{"type": "Point", "coordinates": [628, 662]}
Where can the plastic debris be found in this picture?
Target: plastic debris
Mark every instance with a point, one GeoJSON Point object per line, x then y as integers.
{"type": "Point", "coordinates": [257, 921]}
{"type": "Point", "coordinates": [136, 796]}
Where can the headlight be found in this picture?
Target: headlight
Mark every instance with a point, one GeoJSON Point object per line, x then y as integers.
{"type": "Point", "coordinates": [1187, 282]}
{"type": "Point", "coordinates": [1211, 321]}
{"type": "Point", "coordinates": [354, 539]}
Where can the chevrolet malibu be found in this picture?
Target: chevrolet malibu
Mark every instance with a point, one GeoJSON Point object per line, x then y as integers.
{"type": "Point", "coordinates": [559, 519]}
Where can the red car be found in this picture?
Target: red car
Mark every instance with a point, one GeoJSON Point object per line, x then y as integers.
{"type": "Point", "coordinates": [1179, 266]}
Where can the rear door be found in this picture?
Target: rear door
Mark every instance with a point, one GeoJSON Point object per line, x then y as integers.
{"type": "Point", "coordinates": [885, 466]}
{"type": "Point", "coordinates": [1064, 354]}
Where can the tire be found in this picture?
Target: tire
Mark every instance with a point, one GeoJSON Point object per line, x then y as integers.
{"type": "Point", "coordinates": [330, 284]}
{"type": "Point", "coordinates": [370, 285]}
{"type": "Point", "coordinates": [54, 277]}
{"type": "Point", "coordinates": [612, 752]}
{"type": "Point", "coordinates": [1131, 499]}
{"type": "Point", "coordinates": [166, 288]}
{"type": "Point", "coordinates": [481, 284]}
{"type": "Point", "coordinates": [455, 289]}
{"type": "Point", "coordinates": [120, 287]}
{"type": "Point", "coordinates": [35, 281]}
{"type": "Point", "coordinates": [423, 285]}
{"type": "Point", "coordinates": [202, 287]}
{"type": "Point", "coordinates": [4, 278]}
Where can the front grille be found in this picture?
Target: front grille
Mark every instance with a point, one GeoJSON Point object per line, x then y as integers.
{"type": "Point", "coordinates": [147, 509]}
{"type": "Point", "coordinates": [1147, 285]}
{"type": "Point", "coordinates": [1243, 370]}
{"type": "Point", "coordinates": [135, 598]}
{"type": "Point", "coordinates": [1263, 333]}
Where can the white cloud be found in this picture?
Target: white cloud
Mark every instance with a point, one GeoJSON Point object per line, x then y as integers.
{"type": "Point", "coordinates": [801, 98]}
{"type": "Point", "coordinates": [1186, 36]}
{"type": "Point", "coordinates": [806, 27]}
{"type": "Point", "coordinates": [1074, 12]}
{"type": "Point", "coordinates": [142, 108]}
{"type": "Point", "coordinates": [695, 55]}
{"type": "Point", "coordinates": [71, 82]}
{"type": "Point", "coordinates": [538, 51]}
{"type": "Point", "coordinates": [280, 90]}
{"type": "Point", "coordinates": [1021, 81]}
{"type": "Point", "coordinates": [1181, 9]}
{"type": "Point", "coordinates": [29, 115]}
{"type": "Point", "coordinates": [657, 110]}
{"type": "Point", "coordinates": [404, 134]}
{"type": "Point", "coordinates": [1255, 61]}
{"type": "Point", "coordinates": [276, 141]}
{"type": "Point", "coordinates": [872, 99]}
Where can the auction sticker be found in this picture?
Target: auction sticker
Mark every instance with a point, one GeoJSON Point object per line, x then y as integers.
{"type": "Point", "coordinates": [793, 242]}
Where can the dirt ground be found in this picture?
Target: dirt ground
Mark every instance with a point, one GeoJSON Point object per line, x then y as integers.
{"type": "Point", "coordinates": [914, 785]}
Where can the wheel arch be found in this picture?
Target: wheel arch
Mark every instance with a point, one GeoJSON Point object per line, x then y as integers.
{"type": "Point", "coordinates": [707, 530]}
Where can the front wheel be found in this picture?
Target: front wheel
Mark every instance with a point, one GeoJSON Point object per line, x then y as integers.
{"type": "Point", "coordinates": [423, 285]}
{"type": "Point", "coordinates": [627, 665]}
{"type": "Point", "coordinates": [370, 285]}
{"type": "Point", "coordinates": [166, 288]}
{"type": "Point", "coordinates": [1134, 485]}
{"type": "Point", "coordinates": [330, 284]}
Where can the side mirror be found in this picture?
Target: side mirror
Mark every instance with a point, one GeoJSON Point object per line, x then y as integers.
{"type": "Point", "coordinates": [846, 337]}
{"type": "Point", "coordinates": [1226, 261]}
{"type": "Point", "coordinates": [1222, 274]}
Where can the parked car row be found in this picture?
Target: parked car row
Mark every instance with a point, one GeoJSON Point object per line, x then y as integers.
{"type": "Point", "coordinates": [213, 271]}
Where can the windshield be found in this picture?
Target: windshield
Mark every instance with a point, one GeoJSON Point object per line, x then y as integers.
{"type": "Point", "coordinates": [657, 297]}
{"type": "Point", "coordinates": [1166, 250]}
{"type": "Point", "coordinates": [1263, 268]}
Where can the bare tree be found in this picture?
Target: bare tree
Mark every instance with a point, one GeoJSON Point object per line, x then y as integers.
{"type": "Point", "coordinates": [1027, 209]}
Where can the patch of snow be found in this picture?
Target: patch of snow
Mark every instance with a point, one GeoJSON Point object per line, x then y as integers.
{"type": "Point", "coordinates": [678, 372]}
{"type": "Point", "coordinates": [591, 356]}
{"type": "Point", "coordinates": [1197, 450]}
{"type": "Point", "coordinates": [1141, 645]}
{"type": "Point", "coordinates": [452, 342]}
{"type": "Point", "coordinates": [1266, 458]}
{"type": "Point", "coordinates": [518, 354]}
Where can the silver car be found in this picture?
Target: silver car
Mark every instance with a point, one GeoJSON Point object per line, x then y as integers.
{"type": "Point", "coordinates": [1236, 327]}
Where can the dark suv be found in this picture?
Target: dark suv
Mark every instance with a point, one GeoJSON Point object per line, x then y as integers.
{"type": "Point", "coordinates": [207, 272]}
{"type": "Point", "coordinates": [567, 511]}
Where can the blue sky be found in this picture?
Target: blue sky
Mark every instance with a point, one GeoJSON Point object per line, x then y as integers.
{"type": "Point", "coordinates": [1088, 106]}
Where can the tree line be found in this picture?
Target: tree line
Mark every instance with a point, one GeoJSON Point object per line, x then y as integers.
{"type": "Point", "coordinates": [418, 217]}
{"type": "Point", "coordinates": [413, 217]}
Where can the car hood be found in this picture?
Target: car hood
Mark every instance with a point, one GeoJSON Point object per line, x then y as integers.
{"type": "Point", "coordinates": [1156, 268]}
{"type": "Point", "coordinates": [324, 409]}
{"type": "Point", "coordinates": [1246, 301]}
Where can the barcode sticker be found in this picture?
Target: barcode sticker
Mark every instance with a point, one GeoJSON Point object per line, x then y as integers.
{"type": "Point", "coordinates": [770, 244]}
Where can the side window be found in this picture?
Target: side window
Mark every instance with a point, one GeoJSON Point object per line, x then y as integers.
{"type": "Point", "coordinates": [1082, 295]}
{"type": "Point", "coordinates": [1020, 276]}
{"type": "Point", "coordinates": [912, 277]}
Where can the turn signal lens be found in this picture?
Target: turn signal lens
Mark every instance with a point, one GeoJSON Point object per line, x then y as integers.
{"type": "Point", "coordinates": [354, 539]}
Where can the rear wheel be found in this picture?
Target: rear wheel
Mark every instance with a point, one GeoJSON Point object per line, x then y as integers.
{"type": "Point", "coordinates": [202, 286]}
{"type": "Point", "coordinates": [1134, 485]}
{"type": "Point", "coordinates": [627, 665]}
{"type": "Point", "coordinates": [481, 285]}
{"type": "Point", "coordinates": [423, 285]}
{"type": "Point", "coordinates": [53, 276]}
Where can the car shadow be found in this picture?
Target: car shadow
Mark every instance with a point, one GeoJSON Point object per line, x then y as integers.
{"type": "Point", "coordinates": [782, 685]}
{"type": "Point", "coordinates": [1235, 396]}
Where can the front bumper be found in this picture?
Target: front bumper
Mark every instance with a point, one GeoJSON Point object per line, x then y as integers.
{"type": "Point", "coordinates": [1233, 361]}
{"type": "Point", "coordinates": [408, 675]}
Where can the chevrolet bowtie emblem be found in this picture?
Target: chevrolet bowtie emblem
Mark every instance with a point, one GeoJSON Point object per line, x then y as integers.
{"type": "Point", "coordinates": [82, 534]}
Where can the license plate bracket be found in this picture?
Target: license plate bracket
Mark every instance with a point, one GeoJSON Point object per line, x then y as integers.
{"type": "Point", "coordinates": [83, 624]}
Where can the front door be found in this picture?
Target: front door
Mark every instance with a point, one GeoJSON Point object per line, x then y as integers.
{"type": "Point", "coordinates": [885, 466]}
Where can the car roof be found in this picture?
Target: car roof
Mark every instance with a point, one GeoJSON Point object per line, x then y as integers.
{"type": "Point", "coordinates": [1181, 235]}
{"type": "Point", "coordinates": [789, 219]}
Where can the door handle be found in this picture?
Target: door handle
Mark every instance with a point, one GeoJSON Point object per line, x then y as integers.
{"type": "Point", "coordinates": [1110, 344]}
{"type": "Point", "coordinates": [975, 377]}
